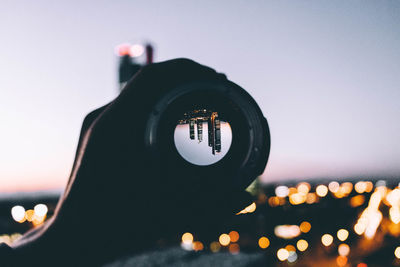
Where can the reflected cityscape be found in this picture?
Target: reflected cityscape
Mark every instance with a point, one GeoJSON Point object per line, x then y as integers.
{"type": "Point", "coordinates": [196, 118]}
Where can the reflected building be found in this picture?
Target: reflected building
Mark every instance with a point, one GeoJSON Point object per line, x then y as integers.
{"type": "Point", "coordinates": [191, 129]}
{"type": "Point", "coordinates": [200, 130]}
{"type": "Point", "coordinates": [198, 117]}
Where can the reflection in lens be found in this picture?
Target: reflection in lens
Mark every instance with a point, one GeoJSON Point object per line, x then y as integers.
{"type": "Point", "coordinates": [202, 137]}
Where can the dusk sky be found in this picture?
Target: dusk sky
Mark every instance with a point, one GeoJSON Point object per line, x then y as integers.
{"type": "Point", "coordinates": [326, 74]}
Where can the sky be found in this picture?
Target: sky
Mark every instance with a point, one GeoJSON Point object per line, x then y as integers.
{"type": "Point", "coordinates": [326, 75]}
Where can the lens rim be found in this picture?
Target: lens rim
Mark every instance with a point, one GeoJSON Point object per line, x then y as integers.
{"type": "Point", "coordinates": [249, 150]}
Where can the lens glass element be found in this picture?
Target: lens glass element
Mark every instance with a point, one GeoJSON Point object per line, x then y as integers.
{"type": "Point", "coordinates": [202, 137]}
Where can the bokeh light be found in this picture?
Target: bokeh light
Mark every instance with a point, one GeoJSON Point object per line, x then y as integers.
{"type": "Point", "coordinates": [397, 252]}
{"type": "Point", "coordinates": [234, 248]}
{"type": "Point", "coordinates": [29, 215]}
{"type": "Point", "coordinates": [215, 247]}
{"type": "Point", "coordinates": [122, 49]}
{"type": "Point", "coordinates": [333, 186]}
{"type": "Point", "coordinates": [341, 261]}
{"type": "Point", "coordinates": [292, 256]}
{"type": "Point", "coordinates": [297, 198]}
{"type": "Point", "coordinates": [302, 245]}
{"type": "Point", "coordinates": [305, 227]}
{"type": "Point", "coordinates": [263, 242]}
{"type": "Point", "coordinates": [18, 214]}
{"type": "Point", "coordinates": [136, 50]}
{"type": "Point", "coordinates": [327, 240]}
{"type": "Point", "coordinates": [282, 191]}
{"type": "Point", "coordinates": [321, 190]}
{"type": "Point", "coordinates": [40, 210]}
{"type": "Point", "coordinates": [287, 231]}
{"type": "Point", "coordinates": [357, 201]}
{"type": "Point", "coordinates": [187, 238]}
{"type": "Point", "coordinates": [360, 187]}
{"type": "Point", "coordinates": [303, 187]}
{"type": "Point", "coordinates": [342, 234]}
{"type": "Point", "coordinates": [224, 240]}
{"type": "Point", "coordinates": [249, 209]}
{"type": "Point", "coordinates": [234, 236]}
{"type": "Point", "coordinates": [290, 248]}
{"type": "Point", "coordinates": [343, 250]}
{"type": "Point", "coordinates": [197, 246]}
{"type": "Point", "coordinates": [282, 254]}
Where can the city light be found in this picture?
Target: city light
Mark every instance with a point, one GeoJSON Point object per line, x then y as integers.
{"type": "Point", "coordinates": [282, 254]}
{"type": "Point", "coordinates": [341, 261]}
{"type": "Point", "coordinates": [343, 250]}
{"type": "Point", "coordinates": [327, 240]}
{"type": "Point", "coordinates": [370, 187]}
{"type": "Point", "coordinates": [371, 217]}
{"type": "Point", "coordinates": [321, 190]}
{"type": "Point", "coordinates": [282, 191]}
{"type": "Point", "coordinates": [311, 198]}
{"type": "Point", "coordinates": [29, 215]}
{"type": "Point", "coordinates": [305, 227]}
{"type": "Point", "coordinates": [292, 190]}
{"type": "Point", "coordinates": [357, 201]}
{"type": "Point", "coordinates": [393, 197]}
{"type": "Point", "coordinates": [360, 187]}
{"type": "Point", "coordinates": [215, 247]}
{"type": "Point", "coordinates": [224, 240]}
{"type": "Point", "coordinates": [187, 238]}
{"type": "Point", "coordinates": [292, 256]}
{"type": "Point", "coordinates": [122, 49]}
{"type": "Point", "coordinates": [249, 209]}
{"type": "Point", "coordinates": [342, 234]}
{"type": "Point", "coordinates": [287, 231]}
{"type": "Point", "coordinates": [302, 245]}
{"type": "Point", "coordinates": [234, 248]}
{"type": "Point", "coordinates": [187, 241]}
{"type": "Point", "coordinates": [234, 236]}
{"type": "Point", "coordinates": [276, 201]}
{"type": "Point", "coordinates": [333, 187]}
{"type": "Point", "coordinates": [36, 216]}
{"type": "Point", "coordinates": [136, 50]}
{"type": "Point", "coordinates": [303, 188]}
{"type": "Point", "coordinates": [347, 187]}
{"type": "Point", "coordinates": [197, 246]}
{"type": "Point", "coordinates": [359, 228]}
{"type": "Point", "coordinates": [397, 252]}
{"type": "Point", "coordinates": [40, 210]}
{"type": "Point", "coordinates": [394, 213]}
{"type": "Point", "coordinates": [263, 242]}
{"type": "Point", "coordinates": [290, 248]}
{"type": "Point", "coordinates": [18, 214]}
{"type": "Point", "coordinates": [297, 198]}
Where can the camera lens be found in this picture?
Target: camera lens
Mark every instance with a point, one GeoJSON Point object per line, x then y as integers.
{"type": "Point", "coordinates": [202, 137]}
{"type": "Point", "coordinates": [207, 132]}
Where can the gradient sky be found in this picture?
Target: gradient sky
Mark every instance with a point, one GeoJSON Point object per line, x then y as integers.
{"type": "Point", "coordinates": [326, 74]}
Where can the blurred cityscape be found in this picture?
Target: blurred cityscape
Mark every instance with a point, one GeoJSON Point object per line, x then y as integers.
{"type": "Point", "coordinates": [309, 223]}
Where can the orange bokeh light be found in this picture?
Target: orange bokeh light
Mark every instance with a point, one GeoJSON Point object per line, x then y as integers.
{"type": "Point", "coordinates": [234, 236]}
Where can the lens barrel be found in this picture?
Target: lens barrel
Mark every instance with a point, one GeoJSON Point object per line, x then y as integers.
{"type": "Point", "coordinates": [250, 146]}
